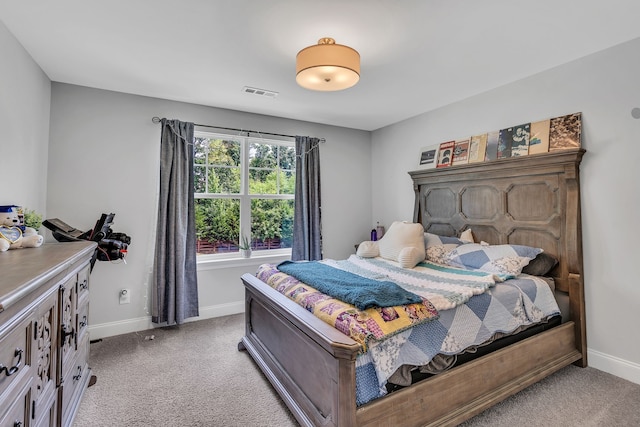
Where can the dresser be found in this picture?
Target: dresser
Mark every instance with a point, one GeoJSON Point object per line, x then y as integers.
{"type": "Point", "coordinates": [44, 344]}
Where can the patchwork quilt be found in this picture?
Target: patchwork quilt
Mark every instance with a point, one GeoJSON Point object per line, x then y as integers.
{"type": "Point", "coordinates": [363, 326]}
{"type": "Point", "coordinates": [460, 309]}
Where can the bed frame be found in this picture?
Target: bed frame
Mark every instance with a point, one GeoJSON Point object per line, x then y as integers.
{"type": "Point", "coordinates": [533, 200]}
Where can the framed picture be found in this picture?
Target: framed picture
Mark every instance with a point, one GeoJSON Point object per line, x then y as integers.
{"type": "Point", "coordinates": [565, 132]}
{"type": "Point", "coordinates": [461, 152]}
{"type": "Point", "coordinates": [429, 156]}
{"type": "Point", "coordinates": [520, 140]}
{"type": "Point", "coordinates": [445, 154]}
{"type": "Point", "coordinates": [477, 148]}
{"type": "Point", "coordinates": [539, 138]}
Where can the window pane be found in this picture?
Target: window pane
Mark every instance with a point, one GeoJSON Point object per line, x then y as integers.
{"type": "Point", "coordinates": [217, 165]}
{"type": "Point", "coordinates": [217, 225]}
{"type": "Point", "coordinates": [262, 168]}
{"type": "Point", "coordinates": [263, 181]}
{"type": "Point", "coordinates": [287, 157]}
{"type": "Point", "coordinates": [271, 223]}
{"type": "Point", "coordinates": [271, 169]}
{"type": "Point", "coordinates": [224, 152]}
{"type": "Point", "coordinates": [263, 155]}
{"type": "Point", "coordinates": [200, 150]}
{"type": "Point", "coordinates": [199, 179]}
{"type": "Point", "coordinates": [287, 182]}
{"type": "Point", "coordinates": [224, 180]}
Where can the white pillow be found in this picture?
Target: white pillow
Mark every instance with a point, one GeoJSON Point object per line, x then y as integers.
{"type": "Point", "coordinates": [368, 249]}
{"type": "Point", "coordinates": [467, 236]}
{"type": "Point", "coordinates": [404, 243]}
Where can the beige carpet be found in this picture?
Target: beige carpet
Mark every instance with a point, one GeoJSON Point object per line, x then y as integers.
{"type": "Point", "coordinates": [193, 375]}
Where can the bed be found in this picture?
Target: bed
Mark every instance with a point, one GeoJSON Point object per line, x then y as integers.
{"type": "Point", "coordinates": [531, 200]}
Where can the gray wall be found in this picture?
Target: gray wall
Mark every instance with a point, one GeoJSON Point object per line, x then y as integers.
{"type": "Point", "coordinates": [25, 93]}
{"type": "Point", "coordinates": [103, 157]}
{"type": "Point", "coordinates": [605, 88]}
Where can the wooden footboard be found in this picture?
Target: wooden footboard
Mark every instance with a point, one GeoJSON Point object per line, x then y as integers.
{"type": "Point", "coordinates": [309, 363]}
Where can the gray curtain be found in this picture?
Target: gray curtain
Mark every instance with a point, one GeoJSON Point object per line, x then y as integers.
{"type": "Point", "coordinates": [175, 284]}
{"type": "Point", "coordinates": [307, 231]}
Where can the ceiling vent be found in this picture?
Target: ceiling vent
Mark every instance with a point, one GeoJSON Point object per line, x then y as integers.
{"type": "Point", "coordinates": [260, 92]}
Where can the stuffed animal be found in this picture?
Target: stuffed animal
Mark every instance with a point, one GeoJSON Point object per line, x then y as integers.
{"type": "Point", "coordinates": [14, 235]}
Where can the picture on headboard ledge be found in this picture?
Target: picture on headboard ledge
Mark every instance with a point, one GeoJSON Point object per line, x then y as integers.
{"type": "Point", "coordinates": [520, 140]}
{"type": "Point", "coordinates": [429, 156]}
{"type": "Point", "coordinates": [505, 137]}
{"type": "Point", "coordinates": [445, 154]}
{"type": "Point", "coordinates": [477, 148]}
{"type": "Point", "coordinates": [539, 138]}
{"type": "Point", "coordinates": [565, 131]}
{"type": "Point", "coordinates": [461, 152]}
{"type": "Point", "coordinates": [558, 133]}
{"type": "Point", "coordinates": [492, 146]}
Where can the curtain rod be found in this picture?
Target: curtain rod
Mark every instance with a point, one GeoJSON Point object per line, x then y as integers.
{"type": "Point", "coordinates": [157, 120]}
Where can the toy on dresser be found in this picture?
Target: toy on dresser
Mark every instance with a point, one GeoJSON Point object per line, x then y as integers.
{"type": "Point", "coordinates": [13, 233]}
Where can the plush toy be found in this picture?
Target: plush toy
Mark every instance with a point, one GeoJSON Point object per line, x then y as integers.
{"type": "Point", "coordinates": [14, 235]}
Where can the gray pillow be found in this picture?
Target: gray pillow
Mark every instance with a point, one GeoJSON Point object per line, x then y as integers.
{"type": "Point", "coordinates": [540, 265]}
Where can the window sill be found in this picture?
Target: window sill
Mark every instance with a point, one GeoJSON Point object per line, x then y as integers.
{"type": "Point", "coordinates": [214, 264]}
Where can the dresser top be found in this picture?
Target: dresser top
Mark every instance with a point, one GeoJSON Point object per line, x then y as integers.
{"type": "Point", "coordinates": [24, 270]}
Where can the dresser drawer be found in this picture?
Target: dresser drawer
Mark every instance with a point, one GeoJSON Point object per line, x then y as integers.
{"type": "Point", "coordinates": [18, 412]}
{"type": "Point", "coordinates": [45, 357]}
{"type": "Point", "coordinates": [83, 284]}
{"type": "Point", "coordinates": [74, 381]}
{"type": "Point", "coordinates": [15, 355]}
{"type": "Point", "coordinates": [83, 320]}
{"type": "Point", "coordinates": [68, 322]}
{"type": "Point", "coordinates": [45, 412]}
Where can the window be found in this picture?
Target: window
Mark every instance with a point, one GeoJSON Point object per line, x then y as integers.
{"type": "Point", "coordinates": [243, 186]}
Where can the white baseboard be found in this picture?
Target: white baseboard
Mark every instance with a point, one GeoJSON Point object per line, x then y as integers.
{"type": "Point", "coordinates": [613, 365]}
{"type": "Point", "coordinates": [120, 327]}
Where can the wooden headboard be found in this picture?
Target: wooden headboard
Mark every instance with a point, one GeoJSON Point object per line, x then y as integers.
{"type": "Point", "coordinates": [530, 200]}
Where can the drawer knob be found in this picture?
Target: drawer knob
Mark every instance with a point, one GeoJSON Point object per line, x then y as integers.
{"type": "Point", "coordinates": [78, 375]}
{"type": "Point", "coordinates": [12, 370]}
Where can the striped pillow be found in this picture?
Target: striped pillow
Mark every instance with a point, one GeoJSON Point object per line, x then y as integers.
{"type": "Point", "coordinates": [503, 259]}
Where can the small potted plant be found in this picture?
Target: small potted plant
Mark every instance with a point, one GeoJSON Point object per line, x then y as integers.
{"type": "Point", "coordinates": [32, 219]}
{"type": "Point", "coordinates": [245, 246]}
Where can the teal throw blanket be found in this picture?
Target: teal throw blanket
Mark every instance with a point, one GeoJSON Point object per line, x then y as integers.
{"type": "Point", "coordinates": [349, 287]}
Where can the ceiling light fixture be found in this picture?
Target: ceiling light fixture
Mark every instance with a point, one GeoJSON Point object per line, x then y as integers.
{"type": "Point", "coordinates": [327, 66]}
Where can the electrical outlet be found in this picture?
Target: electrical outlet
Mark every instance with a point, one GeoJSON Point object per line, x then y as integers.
{"type": "Point", "coordinates": [125, 296]}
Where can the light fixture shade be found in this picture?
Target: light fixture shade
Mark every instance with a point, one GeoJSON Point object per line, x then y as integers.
{"type": "Point", "coordinates": [327, 66]}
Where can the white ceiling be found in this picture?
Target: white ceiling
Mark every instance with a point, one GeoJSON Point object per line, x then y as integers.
{"type": "Point", "coordinates": [416, 55]}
